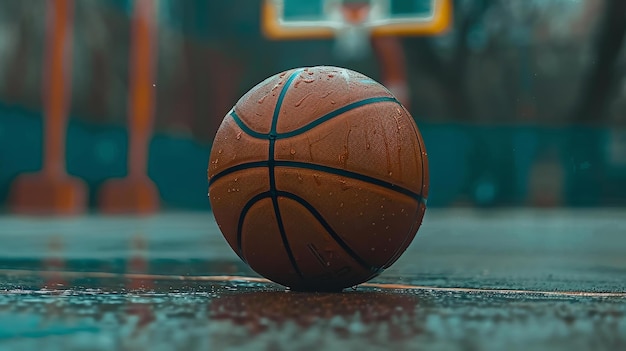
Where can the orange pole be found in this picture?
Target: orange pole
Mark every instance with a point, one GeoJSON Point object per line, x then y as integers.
{"type": "Point", "coordinates": [136, 193]}
{"type": "Point", "coordinates": [57, 84]}
{"type": "Point", "coordinates": [53, 191]}
{"type": "Point", "coordinates": [142, 86]}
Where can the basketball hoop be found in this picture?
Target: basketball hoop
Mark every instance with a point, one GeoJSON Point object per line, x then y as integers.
{"type": "Point", "coordinates": [353, 22]}
{"type": "Point", "coordinates": [360, 27]}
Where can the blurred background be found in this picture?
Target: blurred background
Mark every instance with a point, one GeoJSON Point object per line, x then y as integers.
{"type": "Point", "coordinates": [520, 103]}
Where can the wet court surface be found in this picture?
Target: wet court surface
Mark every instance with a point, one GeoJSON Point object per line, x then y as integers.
{"type": "Point", "coordinates": [514, 280]}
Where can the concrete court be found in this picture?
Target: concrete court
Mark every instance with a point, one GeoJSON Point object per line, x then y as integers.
{"type": "Point", "coordinates": [514, 279]}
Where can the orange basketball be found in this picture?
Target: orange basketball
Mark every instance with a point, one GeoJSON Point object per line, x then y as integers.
{"type": "Point", "coordinates": [318, 178]}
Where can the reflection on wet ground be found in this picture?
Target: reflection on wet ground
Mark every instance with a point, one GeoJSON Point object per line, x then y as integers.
{"type": "Point", "coordinates": [91, 284]}
{"type": "Point", "coordinates": [259, 316]}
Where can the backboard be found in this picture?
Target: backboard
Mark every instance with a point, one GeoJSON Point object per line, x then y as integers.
{"type": "Point", "coordinates": [300, 19]}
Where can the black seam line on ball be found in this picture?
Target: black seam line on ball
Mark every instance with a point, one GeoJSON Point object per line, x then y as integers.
{"type": "Point", "coordinates": [236, 168]}
{"type": "Point", "coordinates": [311, 125]}
{"type": "Point", "coordinates": [318, 216]}
{"type": "Point", "coordinates": [325, 169]}
{"type": "Point", "coordinates": [271, 164]}
{"type": "Point", "coordinates": [422, 159]}
{"type": "Point", "coordinates": [245, 128]}
{"type": "Point", "coordinates": [396, 255]}
{"type": "Point", "coordinates": [336, 113]}
{"type": "Point", "coordinates": [242, 217]}
{"type": "Point", "coordinates": [351, 175]}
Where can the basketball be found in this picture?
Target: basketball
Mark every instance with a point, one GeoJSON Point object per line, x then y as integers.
{"type": "Point", "coordinates": [318, 178]}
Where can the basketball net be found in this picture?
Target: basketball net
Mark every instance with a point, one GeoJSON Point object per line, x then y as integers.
{"type": "Point", "coordinates": [352, 39]}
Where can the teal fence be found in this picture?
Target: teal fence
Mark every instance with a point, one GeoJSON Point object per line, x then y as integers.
{"type": "Point", "coordinates": [469, 164]}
